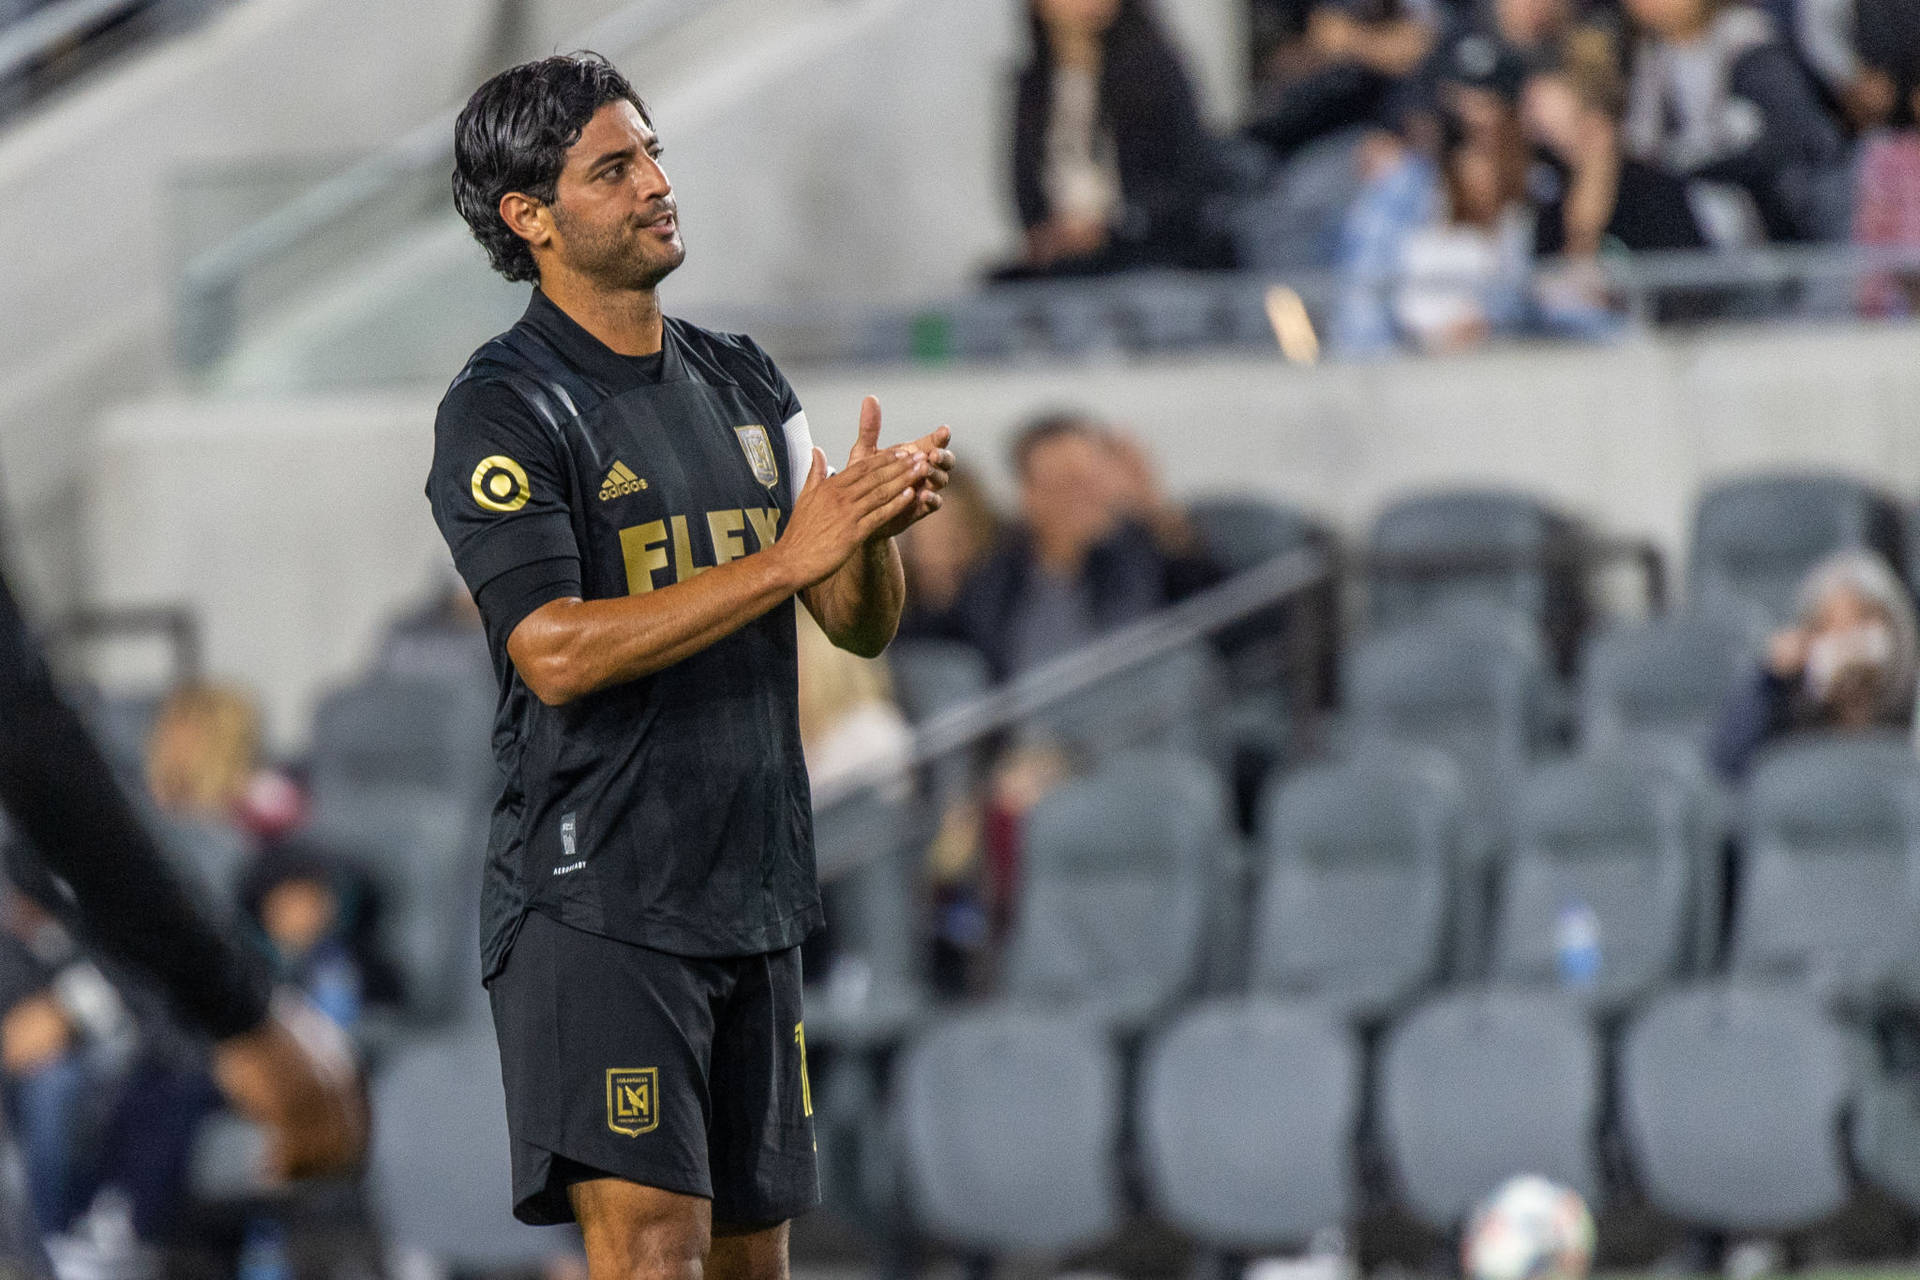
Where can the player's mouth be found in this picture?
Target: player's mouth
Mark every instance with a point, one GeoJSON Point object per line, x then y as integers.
{"type": "Point", "coordinates": [666, 226]}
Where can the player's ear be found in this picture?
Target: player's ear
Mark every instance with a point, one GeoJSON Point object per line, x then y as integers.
{"type": "Point", "coordinates": [526, 217]}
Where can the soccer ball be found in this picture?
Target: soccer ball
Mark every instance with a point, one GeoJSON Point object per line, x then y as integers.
{"type": "Point", "coordinates": [1530, 1229]}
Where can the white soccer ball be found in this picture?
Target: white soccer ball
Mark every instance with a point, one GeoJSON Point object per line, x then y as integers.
{"type": "Point", "coordinates": [1530, 1229]}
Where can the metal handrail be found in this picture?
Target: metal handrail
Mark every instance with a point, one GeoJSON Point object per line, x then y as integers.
{"type": "Point", "coordinates": [27, 40]}
{"type": "Point", "coordinates": [210, 279]}
{"type": "Point", "coordinates": [177, 624]}
{"type": "Point", "coordinates": [1238, 598]}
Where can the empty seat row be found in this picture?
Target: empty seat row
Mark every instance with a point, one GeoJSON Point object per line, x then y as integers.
{"type": "Point", "coordinates": [1742, 1108]}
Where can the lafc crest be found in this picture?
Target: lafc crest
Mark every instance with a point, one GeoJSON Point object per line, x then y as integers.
{"type": "Point", "coordinates": [759, 451]}
{"type": "Point", "coordinates": [633, 1100]}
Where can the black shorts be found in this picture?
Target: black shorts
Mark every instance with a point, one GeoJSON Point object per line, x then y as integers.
{"type": "Point", "coordinates": [688, 1075]}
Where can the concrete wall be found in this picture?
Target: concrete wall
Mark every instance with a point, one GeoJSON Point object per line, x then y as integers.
{"type": "Point", "coordinates": [293, 527]}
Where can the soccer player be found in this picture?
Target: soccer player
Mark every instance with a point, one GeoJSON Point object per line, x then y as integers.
{"type": "Point", "coordinates": [278, 1060]}
{"type": "Point", "coordinates": [635, 503]}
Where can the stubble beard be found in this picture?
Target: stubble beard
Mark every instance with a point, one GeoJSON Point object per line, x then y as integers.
{"type": "Point", "coordinates": [617, 259]}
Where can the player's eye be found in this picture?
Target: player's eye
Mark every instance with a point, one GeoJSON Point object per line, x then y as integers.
{"type": "Point", "coordinates": [613, 171]}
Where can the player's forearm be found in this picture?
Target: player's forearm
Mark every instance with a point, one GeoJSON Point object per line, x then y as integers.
{"type": "Point", "coordinates": [859, 606]}
{"type": "Point", "coordinates": [570, 648]}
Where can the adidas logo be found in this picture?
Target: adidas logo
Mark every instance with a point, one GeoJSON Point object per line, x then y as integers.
{"type": "Point", "coordinates": [620, 482]}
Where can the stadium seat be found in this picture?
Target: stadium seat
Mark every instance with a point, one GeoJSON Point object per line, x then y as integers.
{"type": "Point", "coordinates": [438, 1170]}
{"type": "Point", "coordinates": [932, 676]}
{"type": "Point", "coordinates": [1622, 836]}
{"type": "Point", "coordinates": [1474, 684]}
{"type": "Point", "coordinates": [1009, 1129]}
{"type": "Point", "coordinates": [1754, 538]}
{"type": "Point", "coordinates": [1244, 532]}
{"type": "Point", "coordinates": [1545, 585]}
{"type": "Point", "coordinates": [1121, 874]}
{"type": "Point", "coordinates": [1247, 1116]}
{"type": "Point", "coordinates": [1165, 702]}
{"type": "Point", "coordinates": [1670, 675]}
{"type": "Point", "coordinates": [401, 780]}
{"type": "Point", "coordinates": [1478, 1087]}
{"type": "Point", "coordinates": [869, 995]}
{"type": "Point", "coordinates": [1358, 866]}
{"type": "Point", "coordinates": [1830, 880]}
{"type": "Point", "coordinates": [1732, 1098]}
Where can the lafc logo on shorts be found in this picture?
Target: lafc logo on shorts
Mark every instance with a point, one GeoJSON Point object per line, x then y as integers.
{"type": "Point", "coordinates": [632, 1100]}
{"type": "Point", "coordinates": [759, 451]}
{"type": "Point", "coordinates": [620, 482]}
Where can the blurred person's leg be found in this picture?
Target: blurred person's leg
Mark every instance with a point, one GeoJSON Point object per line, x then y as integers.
{"type": "Point", "coordinates": [758, 1253]}
{"type": "Point", "coordinates": [149, 1145]}
{"type": "Point", "coordinates": [47, 1108]}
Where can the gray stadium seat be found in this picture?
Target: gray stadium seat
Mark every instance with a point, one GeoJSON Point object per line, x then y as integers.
{"type": "Point", "coordinates": [1830, 882]}
{"type": "Point", "coordinates": [1165, 702]}
{"type": "Point", "coordinates": [1247, 1115]}
{"type": "Point", "coordinates": [438, 1168]}
{"type": "Point", "coordinates": [1473, 683]}
{"type": "Point", "coordinates": [1670, 675]}
{"type": "Point", "coordinates": [402, 778]}
{"type": "Point", "coordinates": [1243, 532]}
{"type": "Point", "coordinates": [1622, 836]}
{"type": "Point", "coordinates": [1754, 538]}
{"type": "Point", "coordinates": [1476, 522]}
{"type": "Point", "coordinates": [932, 676]}
{"type": "Point", "coordinates": [1010, 1123]}
{"type": "Point", "coordinates": [1359, 860]}
{"type": "Point", "coordinates": [1732, 1099]}
{"type": "Point", "coordinates": [1121, 871]}
{"type": "Point", "coordinates": [1476, 1088]}
{"type": "Point", "coordinates": [869, 995]}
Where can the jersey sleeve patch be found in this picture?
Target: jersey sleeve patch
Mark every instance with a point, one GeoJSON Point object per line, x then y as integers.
{"type": "Point", "coordinates": [500, 484]}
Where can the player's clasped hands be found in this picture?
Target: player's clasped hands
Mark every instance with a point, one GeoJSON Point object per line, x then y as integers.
{"type": "Point", "coordinates": [880, 493]}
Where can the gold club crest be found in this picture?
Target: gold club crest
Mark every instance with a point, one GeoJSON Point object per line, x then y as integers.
{"type": "Point", "coordinates": [633, 1100]}
{"type": "Point", "coordinates": [759, 451]}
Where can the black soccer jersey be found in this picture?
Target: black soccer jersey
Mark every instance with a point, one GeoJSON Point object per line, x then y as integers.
{"type": "Point", "coordinates": [671, 811]}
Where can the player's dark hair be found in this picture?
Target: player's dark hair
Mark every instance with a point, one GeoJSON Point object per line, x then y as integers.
{"type": "Point", "coordinates": [1046, 428]}
{"type": "Point", "coordinates": [513, 135]}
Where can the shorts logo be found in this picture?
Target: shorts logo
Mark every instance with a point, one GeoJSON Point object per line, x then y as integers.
{"type": "Point", "coordinates": [500, 484]}
{"type": "Point", "coordinates": [759, 451]}
{"type": "Point", "coordinates": [632, 1093]}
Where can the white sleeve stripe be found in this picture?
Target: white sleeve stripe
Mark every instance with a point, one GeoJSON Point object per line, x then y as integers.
{"type": "Point", "coordinates": [799, 453]}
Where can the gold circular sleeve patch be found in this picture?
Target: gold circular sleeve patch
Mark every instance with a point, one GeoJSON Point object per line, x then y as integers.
{"type": "Point", "coordinates": [500, 484]}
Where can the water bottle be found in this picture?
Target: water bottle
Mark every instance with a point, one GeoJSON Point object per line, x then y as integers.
{"type": "Point", "coordinates": [1576, 945]}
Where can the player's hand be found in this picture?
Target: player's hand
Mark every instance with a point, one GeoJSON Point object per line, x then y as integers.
{"type": "Point", "coordinates": [296, 1077]}
{"type": "Point", "coordinates": [938, 475]}
{"type": "Point", "coordinates": [836, 514]}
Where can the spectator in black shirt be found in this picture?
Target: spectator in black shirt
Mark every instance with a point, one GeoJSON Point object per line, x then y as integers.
{"type": "Point", "coordinates": [1112, 167]}
{"type": "Point", "coordinates": [1098, 546]}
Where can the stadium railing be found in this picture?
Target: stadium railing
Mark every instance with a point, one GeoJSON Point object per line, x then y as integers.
{"type": "Point", "coordinates": [258, 268]}
{"type": "Point", "coordinates": [35, 50]}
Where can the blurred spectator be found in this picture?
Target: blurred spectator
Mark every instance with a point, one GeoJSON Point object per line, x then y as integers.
{"type": "Point", "coordinates": [105, 1101]}
{"type": "Point", "coordinates": [1887, 204]}
{"type": "Point", "coordinates": [850, 726]}
{"type": "Point", "coordinates": [1098, 546]}
{"type": "Point", "coordinates": [204, 764]}
{"type": "Point", "coordinates": [938, 557]}
{"type": "Point", "coordinates": [319, 915]}
{"type": "Point", "coordinates": [1717, 99]}
{"type": "Point", "coordinates": [1355, 66]}
{"type": "Point", "coordinates": [441, 637]}
{"type": "Point", "coordinates": [1112, 167]}
{"type": "Point", "coordinates": [1846, 664]}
